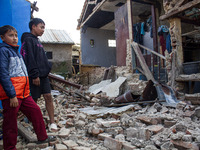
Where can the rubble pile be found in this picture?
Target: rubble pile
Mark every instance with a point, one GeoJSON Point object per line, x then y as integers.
{"type": "Point", "coordinates": [142, 127]}
{"type": "Point", "coordinates": [87, 121]}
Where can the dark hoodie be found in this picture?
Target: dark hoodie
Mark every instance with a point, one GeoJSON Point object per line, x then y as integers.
{"type": "Point", "coordinates": [34, 56]}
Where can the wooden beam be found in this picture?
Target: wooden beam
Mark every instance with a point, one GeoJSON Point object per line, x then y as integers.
{"type": "Point", "coordinates": [98, 7]}
{"type": "Point", "coordinates": [53, 77]}
{"type": "Point", "coordinates": [155, 53]}
{"type": "Point", "coordinates": [191, 33]}
{"type": "Point", "coordinates": [130, 23]}
{"type": "Point", "coordinates": [25, 133]}
{"type": "Point", "coordinates": [190, 21]}
{"type": "Point", "coordinates": [154, 26]}
{"type": "Point", "coordinates": [187, 78]}
{"type": "Point", "coordinates": [150, 2]}
{"type": "Point", "coordinates": [141, 59]}
{"type": "Point", "coordinates": [180, 9]}
{"type": "Point", "coordinates": [177, 5]}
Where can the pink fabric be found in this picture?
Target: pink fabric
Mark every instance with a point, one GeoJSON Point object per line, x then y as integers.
{"type": "Point", "coordinates": [31, 110]}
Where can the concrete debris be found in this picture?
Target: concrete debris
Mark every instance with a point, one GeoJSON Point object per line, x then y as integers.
{"type": "Point", "coordinates": [96, 88]}
{"type": "Point", "coordinates": [85, 124]}
{"type": "Point", "coordinates": [142, 127]}
{"type": "Point", "coordinates": [113, 89]}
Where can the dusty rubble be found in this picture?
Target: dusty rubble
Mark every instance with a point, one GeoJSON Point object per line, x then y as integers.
{"type": "Point", "coordinates": [144, 127]}
{"type": "Point", "coordinates": [86, 124]}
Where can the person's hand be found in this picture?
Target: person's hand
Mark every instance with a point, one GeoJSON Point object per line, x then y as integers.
{"type": "Point", "coordinates": [36, 81]}
{"type": "Point", "coordinates": [14, 102]}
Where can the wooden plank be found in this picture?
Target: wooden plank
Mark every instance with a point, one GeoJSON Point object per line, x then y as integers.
{"type": "Point", "coordinates": [130, 25]}
{"type": "Point", "coordinates": [97, 7]}
{"type": "Point", "coordinates": [180, 9]}
{"type": "Point", "coordinates": [178, 4]}
{"type": "Point", "coordinates": [154, 26]}
{"type": "Point", "coordinates": [157, 54]}
{"type": "Point", "coordinates": [187, 78]}
{"type": "Point", "coordinates": [193, 98]}
{"type": "Point", "coordinates": [53, 77]}
{"type": "Point", "coordinates": [150, 2]}
{"type": "Point", "coordinates": [191, 33]}
{"type": "Point", "coordinates": [190, 21]}
{"type": "Point", "coordinates": [25, 133]}
{"type": "Point", "coordinates": [122, 33]}
{"type": "Point", "coordinates": [143, 64]}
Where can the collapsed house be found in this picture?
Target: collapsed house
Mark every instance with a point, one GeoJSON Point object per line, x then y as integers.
{"type": "Point", "coordinates": [158, 39]}
{"type": "Point", "coordinates": [85, 124]}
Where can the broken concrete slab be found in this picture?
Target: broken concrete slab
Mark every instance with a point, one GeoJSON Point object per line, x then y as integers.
{"type": "Point", "coordinates": [96, 88]}
{"type": "Point", "coordinates": [113, 89]}
{"type": "Point", "coordinates": [105, 110]}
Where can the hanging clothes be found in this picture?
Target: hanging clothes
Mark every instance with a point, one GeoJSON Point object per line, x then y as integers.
{"type": "Point", "coordinates": [163, 44]}
{"type": "Point", "coordinates": [149, 22]}
{"type": "Point", "coordinates": [168, 43]}
{"type": "Point", "coordinates": [137, 36]}
{"type": "Point", "coordinates": [142, 28]}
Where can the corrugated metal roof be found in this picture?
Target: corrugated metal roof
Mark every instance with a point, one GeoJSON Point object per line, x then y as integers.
{"type": "Point", "coordinates": [56, 36]}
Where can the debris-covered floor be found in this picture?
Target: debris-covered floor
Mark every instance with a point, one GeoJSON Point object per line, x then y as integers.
{"type": "Point", "coordinates": [86, 124]}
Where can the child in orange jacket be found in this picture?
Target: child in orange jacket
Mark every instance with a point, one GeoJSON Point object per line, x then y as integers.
{"type": "Point", "coordinates": [14, 91]}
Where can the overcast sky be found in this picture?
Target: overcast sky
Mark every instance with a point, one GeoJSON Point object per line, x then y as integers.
{"type": "Point", "coordinates": [61, 14]}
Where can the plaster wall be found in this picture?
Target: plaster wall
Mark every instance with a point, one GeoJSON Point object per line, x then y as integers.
{"type": "Point", "coordinates": [61, 57]}
{"type": "Point", "coordinates": [60, 52]}
{"type": "Point", "coordinates": [99, 54]}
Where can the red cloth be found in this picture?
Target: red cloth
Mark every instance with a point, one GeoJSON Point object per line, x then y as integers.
{"type": "Point", "coordinates": [163, 44]}
{"type": "Point", "coordinates": [31, 110]}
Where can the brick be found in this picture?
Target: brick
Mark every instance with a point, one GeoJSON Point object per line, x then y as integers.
{"type": "Point", "coordinates": [96, 131]}
{"type": "Point", "coordinates": [102, 136]}
{"type": "Point", "coordinates": [108, 123]}
{"type": "Point", "coordinates": [70, 144]}
{"type": "Point", "coordinates": [184, 145]}
{"type": "Point", "coordinates": [128, 146]}
{"type": "Point", "coordinates": [141, 133]}
{"type": "Point", "coordinates": [155, 128]}
{"type": "Point", "coordinates": [64, 132]}
{"type": "Point", "coordinates": [169, 123]}
{"type": "Point", "coordinates": [81, 148]}
{"type": "Point", "coordinates": [70, 115]}
{"type": "Point", "coordinates": [149, 120]}
{"type": "Point", "coordinates": [112, 143]}
{"type": "Point", "coordinates": [60, 147]}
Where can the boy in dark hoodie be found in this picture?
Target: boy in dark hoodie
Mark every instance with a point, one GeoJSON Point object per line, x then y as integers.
{"type": "Point", "coordinates": [38, 66]}
{"type": "Point", "coordinates": [14, 91]}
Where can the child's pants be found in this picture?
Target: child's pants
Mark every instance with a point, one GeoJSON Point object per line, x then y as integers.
{"type": "Point", "coordinates": [31, 110]}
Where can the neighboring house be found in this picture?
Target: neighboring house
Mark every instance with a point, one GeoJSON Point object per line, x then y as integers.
{"type": "Point", "coordinates": [104, 20]}
{"type": "Point", "coordinates": [58, 47]}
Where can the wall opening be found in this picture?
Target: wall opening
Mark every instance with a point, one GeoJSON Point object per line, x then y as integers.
{"type": "Point", "coordinates": [111, 43]}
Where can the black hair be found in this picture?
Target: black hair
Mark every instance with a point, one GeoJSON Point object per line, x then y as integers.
{"type": "Point", "coordinates": [6, 28]}
{"type": "Point", "coordinates": [35, 21]}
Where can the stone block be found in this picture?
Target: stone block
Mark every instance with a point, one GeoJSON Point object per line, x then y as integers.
{"type": "Point", "coordinates": [112, 144]}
